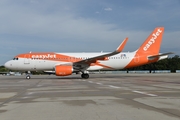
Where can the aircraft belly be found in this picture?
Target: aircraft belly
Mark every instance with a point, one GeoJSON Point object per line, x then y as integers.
{"type": "Point", "coordinates": [35, 65]}
{"type": "Point", "coordinates": [95, 68]}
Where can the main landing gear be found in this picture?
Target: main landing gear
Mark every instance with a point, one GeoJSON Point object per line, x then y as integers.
{"type": "Point", "coordinates": [85, 75]}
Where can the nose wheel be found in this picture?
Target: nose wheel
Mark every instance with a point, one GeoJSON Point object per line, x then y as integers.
{"type": "Point", "coordinates": [28, 77]}
{"type": "Point", "coordinates": [85, 76]}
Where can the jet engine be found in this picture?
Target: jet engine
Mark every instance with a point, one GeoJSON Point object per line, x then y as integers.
{"type": "Point", "coordinates": [63, 70]}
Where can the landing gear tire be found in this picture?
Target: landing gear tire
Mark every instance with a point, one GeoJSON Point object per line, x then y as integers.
{"type": "Point", "coordinates": [28, 77]}
{"type": "Point", "coordinates": [85, 76]}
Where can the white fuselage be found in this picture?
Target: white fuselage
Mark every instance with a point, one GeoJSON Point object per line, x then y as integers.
{"type": "Point", "coordinates": [118, 61]}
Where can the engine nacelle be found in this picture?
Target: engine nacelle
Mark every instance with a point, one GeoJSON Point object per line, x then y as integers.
{"type": "Point", "coordinates": [63, 70]}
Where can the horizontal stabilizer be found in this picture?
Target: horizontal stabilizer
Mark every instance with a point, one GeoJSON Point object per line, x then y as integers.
{"type": "Point", "coordinates": [160, 55]}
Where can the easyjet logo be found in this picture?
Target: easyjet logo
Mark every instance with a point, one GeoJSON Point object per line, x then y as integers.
{"type": "Point", "coordinates": [152, 40]}
{"type": "Point", "coordinates": [46, 56]}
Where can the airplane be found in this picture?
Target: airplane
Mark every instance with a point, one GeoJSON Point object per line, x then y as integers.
{"type": "Point", "coordinates": [64, 64]}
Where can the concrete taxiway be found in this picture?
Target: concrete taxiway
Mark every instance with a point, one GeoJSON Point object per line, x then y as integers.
{"type": "Point", "coordinates": [101, 97]}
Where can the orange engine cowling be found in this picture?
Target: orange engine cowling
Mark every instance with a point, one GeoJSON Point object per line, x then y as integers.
{"type": "Point", "coordinates": [63, 70]}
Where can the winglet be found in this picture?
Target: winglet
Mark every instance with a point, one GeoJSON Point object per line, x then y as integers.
{"type": "Point", "coordinates": [122, 45]}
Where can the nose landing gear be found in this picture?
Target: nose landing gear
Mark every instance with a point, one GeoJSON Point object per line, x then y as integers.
{"type": "Point", "coordinates": [28, 77]}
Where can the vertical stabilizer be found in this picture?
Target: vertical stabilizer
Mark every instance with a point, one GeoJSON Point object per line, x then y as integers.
{"type": "Point", "coordinates": [153, 42]}
{"type": "Point", "coordinates": [148, 52]}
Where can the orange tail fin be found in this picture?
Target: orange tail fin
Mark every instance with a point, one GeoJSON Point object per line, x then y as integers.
{"type": "Point", "coordinates": [153, 43]}
{"type": "Point", "coordinates": [148, 52]}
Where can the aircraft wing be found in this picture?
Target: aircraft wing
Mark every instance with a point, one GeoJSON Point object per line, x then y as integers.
{"type": "Point", "coordinates": [102, 57]}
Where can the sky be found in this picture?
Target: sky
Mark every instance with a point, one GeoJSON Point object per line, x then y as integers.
{"type": "Point", "coordinates": [85, 25]}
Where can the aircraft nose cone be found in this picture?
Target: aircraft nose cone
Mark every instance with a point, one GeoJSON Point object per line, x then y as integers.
{"type": "Point", "coordinates": [7, 64]}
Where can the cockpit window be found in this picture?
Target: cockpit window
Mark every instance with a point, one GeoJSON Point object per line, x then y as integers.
{"type": "Point", "coordinates": [15, 58]}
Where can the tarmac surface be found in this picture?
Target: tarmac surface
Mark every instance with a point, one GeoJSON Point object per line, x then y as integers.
{"type": "Point", "coordinates": [101, 97]}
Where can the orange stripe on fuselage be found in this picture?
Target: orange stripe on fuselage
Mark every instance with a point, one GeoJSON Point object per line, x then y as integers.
{"type": "Point", "coordinates": [49, 56]}
{"type": "Point", "coordinates": [139, 60]}
{"type": "Point", "coordinates": [99, 64]}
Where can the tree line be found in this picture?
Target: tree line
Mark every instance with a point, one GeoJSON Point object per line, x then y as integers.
{"type": "Point", "coordinates": [171, 63]}
{"type": "Point", "coordinates": [3, 69]}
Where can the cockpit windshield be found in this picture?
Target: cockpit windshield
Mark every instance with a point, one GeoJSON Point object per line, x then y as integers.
{"type": "Point", "coordinates": [15, 58]}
